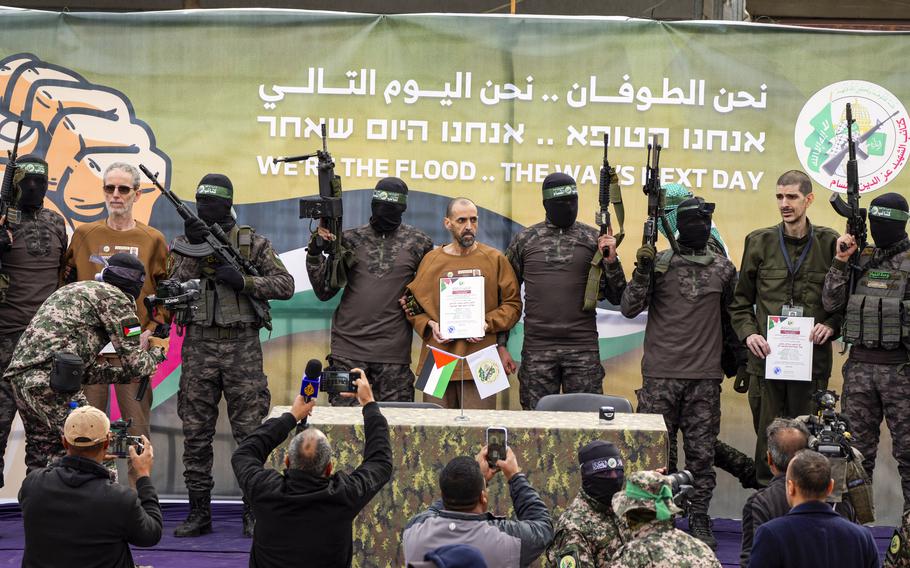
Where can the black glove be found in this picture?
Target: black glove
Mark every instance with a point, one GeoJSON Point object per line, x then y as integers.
{"type": "Point", "coordinates": [227, 274]}
{"type": "Point", "coordinates": [195, 230]}
{"type": "Point", "coordinates": [316, 246]}
{"type": "Point", "coordinates": [644, 258]}
{"type": "Point", "coordinates": [741, 384]}
{"type": "Point", "coordinates": [6, 241]}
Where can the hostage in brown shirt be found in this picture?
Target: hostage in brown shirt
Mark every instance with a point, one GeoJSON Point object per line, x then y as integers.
{"type": "Point", "coordinates": [502, 299]}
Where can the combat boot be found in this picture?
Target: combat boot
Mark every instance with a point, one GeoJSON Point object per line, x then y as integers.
{"type": "Point", "coordinates": [199, 521]}
{"type": "Point", "coordinates": [249, 520]}
{"type": "Point", "coordinates": [700, 528]}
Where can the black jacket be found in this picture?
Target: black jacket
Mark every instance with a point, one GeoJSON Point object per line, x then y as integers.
{"type": "Point", "coordinates": [74, 515]}
{"type": "Point", "coordinates": [302, 516]}
{"type": "Point", "coordinates": [762, 506]}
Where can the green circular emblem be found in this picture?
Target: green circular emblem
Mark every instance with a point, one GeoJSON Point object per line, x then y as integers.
{"type": "Point", "coordinates": [567, 562]}
{"type": "Point", "coordinates": [895, 544]}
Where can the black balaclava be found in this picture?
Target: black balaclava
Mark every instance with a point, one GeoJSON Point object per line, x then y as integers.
{"type": "Point", "coordinates": [602, 473]}
{"type": "Point", "coordinates": [693, 221]}
{"type": "Point", "coordinates": [123, 270]}
{"type": "Point", "coordinates": [560, 199]}
{"type": "Point", "coordinates": [30, 181]}
{"type": "Point", "coordinates": [214, 198]}
{"type": "Point", "coordinates": [390, 199]}
{"type": "Point", "coordinates": [888, 219]}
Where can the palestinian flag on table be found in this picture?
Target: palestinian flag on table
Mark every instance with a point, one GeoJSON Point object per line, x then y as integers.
{"type": "Point", "coordinates": [436, 372]}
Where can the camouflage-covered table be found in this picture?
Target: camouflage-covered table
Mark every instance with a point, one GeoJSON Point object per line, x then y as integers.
{"type": "Point", "coordinates": [423, 441]}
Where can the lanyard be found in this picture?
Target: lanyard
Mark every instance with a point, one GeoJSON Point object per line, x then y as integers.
{"type": "Point", "coordinates": [791, 270]}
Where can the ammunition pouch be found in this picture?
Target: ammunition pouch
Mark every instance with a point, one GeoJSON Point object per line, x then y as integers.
{"type": "Point", "coordinates": [877, 314]}
{"type": "Point", "coordinates": [67, 372]}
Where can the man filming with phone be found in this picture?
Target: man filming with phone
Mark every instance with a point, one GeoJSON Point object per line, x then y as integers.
{"type": "Point", "coordinates": [309, 493]}
{"type": "Point", "coordinates": [461, 516]}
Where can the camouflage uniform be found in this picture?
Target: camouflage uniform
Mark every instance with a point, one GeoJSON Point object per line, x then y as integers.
{"type": "Point", "coordinates": [657, 543]}
{"type": "Point", "coordinates": [560, 350]}
{"type": "Point", "coordinates": [225, 359]}
{"type": "Point", "coordinates": [587, 534]}
{"type": "Point", "coordinates": [80, 318]}
{"type": "Point", "coordinates": [874, 388]}
{"type": "Point", "coordinates": [369, 329]}
{"type": "Point", "coordinates": [898, 555]}
{"type": "Point", "coordinates": [7, 400]}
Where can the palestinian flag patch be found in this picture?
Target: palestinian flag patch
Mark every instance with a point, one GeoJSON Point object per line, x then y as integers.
{"type": "Point", "coordinates": [130, 327]}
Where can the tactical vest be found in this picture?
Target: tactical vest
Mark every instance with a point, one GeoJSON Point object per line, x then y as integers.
{"type": "Point", "coordinates": [218, 304]}
{"type": "Point", "coordinates": [877, 316]}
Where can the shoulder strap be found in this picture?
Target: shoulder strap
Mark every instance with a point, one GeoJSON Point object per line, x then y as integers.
{"type": "Point", "coordinates": [244, 241]}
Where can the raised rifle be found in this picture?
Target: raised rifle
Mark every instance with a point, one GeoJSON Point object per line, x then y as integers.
{"type": "Point", "coordinates": [603, 215]}
{"type": "Point", "coordinates": [326, 208]}
{"type": "Point", "coordinates": [6, 189]}
{"type": "Point", "coordinates": [655, 196]}
{"type": "Point", "coordinates": [855, 215]}
{"type": "Point", "coordinates": [216, 243]}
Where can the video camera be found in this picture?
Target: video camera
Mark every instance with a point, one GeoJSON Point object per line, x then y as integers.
{"type": "Point", "coordinates": [682, 484]}
{"type": "Point", "coordinates": [331, 381]}
{"type": "Point", "coordinates": [121, 439]}
{"type": "Point", "coordinates": [175, 296]}
{"type": "Point", "coordinates": [831, 430]}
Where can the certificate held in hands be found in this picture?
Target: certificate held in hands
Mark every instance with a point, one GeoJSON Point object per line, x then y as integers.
{"type": "Point", "coordinates": [791, 348]}
{"type": "Point", "coordinates": [461, 307]}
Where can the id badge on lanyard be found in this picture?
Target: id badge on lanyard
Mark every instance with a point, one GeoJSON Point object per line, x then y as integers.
{"type": "Point", "coordinates": [790, 309]}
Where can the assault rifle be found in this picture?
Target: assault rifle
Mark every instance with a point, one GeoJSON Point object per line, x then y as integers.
{"type": "Point", "coordinates": [326, 208]}
{"type": "Point", "coordinates": [603, 216]}
{"type": "Point", "coordinates": [216, 243]}
{"type": "Point", "coordinates": [855, 215]}
{"type": "Point", "coordinates": [6, 189]}
{"type": "Point", "coordinates": [655, 196]}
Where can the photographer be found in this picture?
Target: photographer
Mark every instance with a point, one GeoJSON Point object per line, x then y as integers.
{"type": "Point", "coordinates": [48, 365]}
{"type": "Point", "coordinates": [785, 438]}
{"type": "Point", "coordinates": [648, 508]}
{"type": "Point", "coordinates": [812, 533]}
{"type": "Point", "coordinates": [461, 515]}
{"type": "Point", "coordinates": [74, 515]}
{"type": "Point", "coordinates": [308, 493]}
{"type": "Point", "coordinates": [588, 532]}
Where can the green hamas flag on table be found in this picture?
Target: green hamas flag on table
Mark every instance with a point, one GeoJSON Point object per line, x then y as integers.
{"type": "Point", "coordinates": [436, 373]}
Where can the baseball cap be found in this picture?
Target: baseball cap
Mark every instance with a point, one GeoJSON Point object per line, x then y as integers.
{"type": "Point", "coordinates": [86, 426]}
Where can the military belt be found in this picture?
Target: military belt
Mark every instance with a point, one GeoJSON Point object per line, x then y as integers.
{"type": "Point", "coordinates": [215, 332]}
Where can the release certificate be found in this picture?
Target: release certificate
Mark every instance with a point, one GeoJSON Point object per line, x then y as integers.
{"type": "Point", "coordinates": [791, 348]}
{"type": "Point", "coordinates": [461, 307]}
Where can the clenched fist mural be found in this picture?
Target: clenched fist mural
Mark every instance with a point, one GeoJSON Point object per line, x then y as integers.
{"type": "Point", "coordinates": [79, 128]}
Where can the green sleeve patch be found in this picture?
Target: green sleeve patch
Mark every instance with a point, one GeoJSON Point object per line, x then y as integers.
{"type": "Point", "coordinates": [129, 327]}
{"type": "Point", "coordinates": [568, 561]}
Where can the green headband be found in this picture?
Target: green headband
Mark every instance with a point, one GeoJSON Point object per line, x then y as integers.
{"type": "Point", "coordinates": [559, 191]}
{"type": "Point", "coordinates": [660, 499]}
{"type": "Point", "coordinates": [215, 190]}
{"type": "Point", "coordinates": [31, 169]}
{"type": "Point", "coordinates": [390, 196]}
{"type": "Point", "coordinates": [888, 213]}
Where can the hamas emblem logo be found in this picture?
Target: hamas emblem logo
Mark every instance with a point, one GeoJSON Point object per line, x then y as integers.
{"type": "Point", "coordinates": [880, 131]}
{"type": "Point", "coordinates": [487, 372]}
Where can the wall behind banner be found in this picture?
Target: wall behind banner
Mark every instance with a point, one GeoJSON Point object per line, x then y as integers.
{"type": "Point", "coordinates": [480, 106]}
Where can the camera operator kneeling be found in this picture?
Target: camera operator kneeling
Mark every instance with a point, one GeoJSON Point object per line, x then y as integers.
{"type": "Point", "coordinates": [74, 515]}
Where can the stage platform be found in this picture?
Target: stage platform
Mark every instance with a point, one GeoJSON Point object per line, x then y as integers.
{"type": "Point", "coordinates": [226, 548]}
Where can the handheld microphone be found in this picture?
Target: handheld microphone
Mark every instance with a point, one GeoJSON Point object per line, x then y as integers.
{"type": "Point", "coordinates": [309, 385]}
